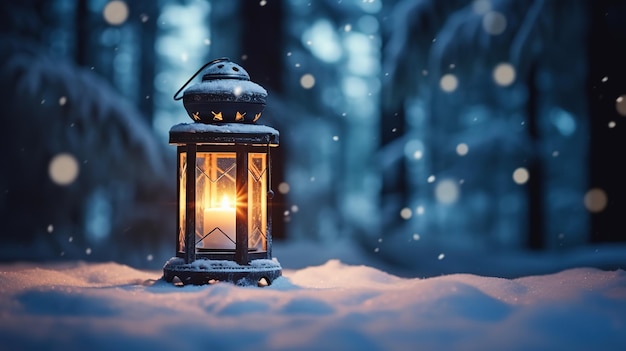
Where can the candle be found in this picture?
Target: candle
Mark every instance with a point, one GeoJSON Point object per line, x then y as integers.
{"type": "Point", "coordinates": [224, 219]}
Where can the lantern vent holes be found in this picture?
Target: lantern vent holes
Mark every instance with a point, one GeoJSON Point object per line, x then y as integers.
{"type": "Point", "coordinates": [236, 69]}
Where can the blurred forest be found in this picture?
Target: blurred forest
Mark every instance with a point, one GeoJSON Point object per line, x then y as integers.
{"type": "Point", "coordinates": [473, 125]}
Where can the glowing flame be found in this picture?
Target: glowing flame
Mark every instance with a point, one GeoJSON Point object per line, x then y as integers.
{"type": "Point", "coordinates": [226, 203]}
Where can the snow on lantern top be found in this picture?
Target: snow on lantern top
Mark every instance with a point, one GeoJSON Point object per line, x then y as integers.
{"type": "Point", "coordinates": [225, 95]}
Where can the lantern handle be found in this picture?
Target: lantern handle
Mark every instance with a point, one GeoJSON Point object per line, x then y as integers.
{"type": "Point", "coordinates": [195, 74]}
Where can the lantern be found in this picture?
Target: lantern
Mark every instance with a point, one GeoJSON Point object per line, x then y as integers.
{"type": "Point", "coordinates": [224, 228]}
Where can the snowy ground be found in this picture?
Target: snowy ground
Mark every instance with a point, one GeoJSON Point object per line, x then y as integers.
{"type": "Point", "coordinates": [333, 306]}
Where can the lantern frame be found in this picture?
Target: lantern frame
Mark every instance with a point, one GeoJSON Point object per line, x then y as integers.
{"type": "Point", "coordinates": [242, 265]}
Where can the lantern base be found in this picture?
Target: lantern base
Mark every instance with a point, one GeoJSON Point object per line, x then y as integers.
{"type": "Point", "coordinates": [203, 271]}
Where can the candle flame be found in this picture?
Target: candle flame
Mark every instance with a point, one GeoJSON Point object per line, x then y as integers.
{"type": "Point", "coordinates": [226, 203]}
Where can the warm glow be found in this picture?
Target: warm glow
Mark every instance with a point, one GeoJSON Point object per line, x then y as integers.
{"type": "Point", "coordinates": [226, 202]}
{"type": "Point", "coordinates": [219, 226]}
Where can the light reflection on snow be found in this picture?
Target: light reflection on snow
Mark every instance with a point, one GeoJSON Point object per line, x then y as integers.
{"type": "Point", "coordinates": [332, 306]}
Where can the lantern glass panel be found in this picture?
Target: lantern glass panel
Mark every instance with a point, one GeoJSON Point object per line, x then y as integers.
{"type": "Point", "coordinates": [215, 201]}
{"type": "Point", "coordinates": [182, 183]}
{"type": "Point", "coordinates": [257, 201]}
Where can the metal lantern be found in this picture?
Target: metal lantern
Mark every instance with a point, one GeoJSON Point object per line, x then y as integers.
{"type": "Point", "coordinates": [224, 228]}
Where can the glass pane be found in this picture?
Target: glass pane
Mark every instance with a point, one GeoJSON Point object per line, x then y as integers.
{"type": "Point", "coordinates": [257, 201]}
{"type": "Point", "coordinates": [215, 200]}
{"type": "Point", "coordinates": [182, 182]}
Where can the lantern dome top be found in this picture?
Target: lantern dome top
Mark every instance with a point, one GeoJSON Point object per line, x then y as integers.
{"type": "Point", "coordinates": [225, 95]}
{"type": "Point", "coordinates": [223, 68]}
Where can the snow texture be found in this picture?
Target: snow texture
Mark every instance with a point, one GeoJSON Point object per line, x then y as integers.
{"type": "Point", "coordinates": [207, 265]}
{"type": "Point", "coordinates": [333, 306]}
{"type": "Point", "coordinates": [229, 86]}
{"type": "Point", "coordinates": [223, 128]}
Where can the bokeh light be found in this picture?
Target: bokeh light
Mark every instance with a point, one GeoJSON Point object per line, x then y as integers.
{"type": "Point", "coordinates": [63, 169]}
{"type": "Point", "coordinates": [406, 213]}
{"type": "Point", "coordinates": [462, 149]}
{"type": "Point", "coordinates": [521, 175]}
{"type": "Point", "coordinates": [494, 23]}
{"type": "Point", "coordinates": [307, 81]}
{"type": "Point", "coordinates": [449, 83]}
{"type": "Point", "coordinates": [447, 191]}
{"type": "Point", "coordinates": [115, 12]}
{"type": "Point", "coordinates": [595, 200]}
{"type": "Point", "coordinates": [504, 74]}
{"type": "Point", "coordinates": [283, 188]}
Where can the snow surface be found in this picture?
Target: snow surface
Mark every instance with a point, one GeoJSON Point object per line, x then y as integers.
{"type": "Point", "coordinates": [333, 306]}
{"type": "Point", "coordinates": [223, 128]}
